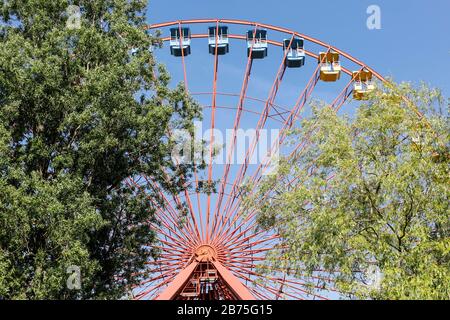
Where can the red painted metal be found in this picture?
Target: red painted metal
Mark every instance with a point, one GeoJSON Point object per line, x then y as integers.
{"type": "Point", "coordinates": [237, 120]}
{"type": "Point", "coordinates": [176, 284]}
{"type": "Point", "coordinates": [204, 266]}
{"type": "Point", "coordinates": [241, 292]}
{"type": "Point", "coordinates": [211, 141]}
{"type": "Point", "coordinates": [269, 27]}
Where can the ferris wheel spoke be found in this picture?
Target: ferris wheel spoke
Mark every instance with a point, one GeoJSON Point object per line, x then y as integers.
{"type": "Point", "coordinates": [324, 287]}
{"type": "Point", "coordinates": [261, 123]}
{"type": "Point", "coordinates": [248, 225]}
{"type": "Point", "coordinates": [184, 259]}
{"type": "Point", "coordinates": [178, 242]}
{"type": "Point", "coordinates": [294, 285]}
{"type": "Point", "coordinates": [167, 274]}
{"type": "Point", "coordinates": [264, 286]}
{"type": "Point", "coordinates": [248, 253]}
{"type": "Point", "coordinates": [293, 282]}
{"type": "Point", "coordinates": [260, 295]}
{"type": "Point", "coordinates": [171, 247]}
{"type": "Point", "coordinates": [289, 122]}
{"type": "Point", "coordinates": [252, 241]}
{"type": "Point", "coordinates": [188, 199]}
{"type": "Point", "coordinates": [242, 238]}
{"type": "Point", "coordinates": [236, 125]}
{"type": "Point", "coordinates": [194, 229]}
{"type": "Point", "coordinates": [166, 262]}
{"type": "Point", "coordinates": [161, 232]}
{"type": "Point", "coordinates": [171, 252]}
{"type": "Point", "coordinates": [272, 117]}
{"type": "Point", "coordinates": [337, 103]}
{"type": "Point", "coordinates": [193, 235]}
{"type": "Point", "coordinates": [154, 288]}
{"type": "Point", "coordinates": [237, 240]}
{"type": "Point", "coordinates": [157, 260]}
{"type": "Point", "coordinates": [175, 215]}
{"type": "Point", "coordinates": [294, 114]}
{"type": "Point", "coordinates": [160, 270]}
{"type": "Point", "coordinates": [296, 288]}
{"type": "Point", "coordinates": [199, 206]}
{"type": "Point", "coordinates": [237, 119]}
{"type": "Point", "coordinates": [229, 233]}
{"type": "Point", "coordinates": [166, 206]}
{"type": "Point", "coordinates": [212, 137]}
{"type": "Point", "coordinates": [163, 219]}
{"type": "Point", "coordinates": [182, 56]}
{"type": "Point", "coordinates": [283, 109]}
{"type": "Point", "coordinates": [302, 272]}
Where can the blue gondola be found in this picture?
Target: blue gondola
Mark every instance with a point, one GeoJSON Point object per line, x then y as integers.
{"type": "Point", "coordinates": [295, 57]}
{"type": "Point", "coordinates": [222, 40]}
{"type": "Point", "coordinates": [180, 47]}
{"type": "Point", "coordinates": [258, 39]}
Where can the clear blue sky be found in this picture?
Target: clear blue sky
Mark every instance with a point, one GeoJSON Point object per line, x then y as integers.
{"type": "Point", "coordinates": [413, 44]}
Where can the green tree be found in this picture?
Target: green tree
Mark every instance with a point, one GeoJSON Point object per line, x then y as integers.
{"type": "Point", "coordinates": [82, 107]}
{"type": "Point", "coordinates": [370, 197]}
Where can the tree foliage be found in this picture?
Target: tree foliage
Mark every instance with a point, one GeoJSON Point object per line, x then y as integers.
{"type": "Point", "coordinates": [81, 109]}
{"type": "Point", "coordinates": [370, 197]}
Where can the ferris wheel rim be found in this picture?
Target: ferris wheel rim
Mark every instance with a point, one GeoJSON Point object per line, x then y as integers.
{"type": "Point", "coordinates": [290, 32]}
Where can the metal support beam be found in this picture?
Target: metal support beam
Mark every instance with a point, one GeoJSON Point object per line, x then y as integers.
{"type": "Point", "coordinates": [238, 289]}
{"type": "Point", "coordinates": [178, 283]}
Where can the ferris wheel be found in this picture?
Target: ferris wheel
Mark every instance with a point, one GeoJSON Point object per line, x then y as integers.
{"type": "Point", "coordinates": [218, 253]}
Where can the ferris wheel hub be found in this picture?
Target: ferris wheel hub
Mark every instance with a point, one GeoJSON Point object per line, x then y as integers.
{"type": "Point", "coordinates": [205, 253]}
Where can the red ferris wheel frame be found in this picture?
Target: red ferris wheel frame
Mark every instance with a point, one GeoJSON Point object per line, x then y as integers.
{"type": "Point", "coordinates": [215, 258]}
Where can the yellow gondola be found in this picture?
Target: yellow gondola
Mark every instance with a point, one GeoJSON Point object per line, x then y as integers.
{"type": "Point", "coordinates": [363, 84]}
{"type": "Point", "coordinates": [330, 66]}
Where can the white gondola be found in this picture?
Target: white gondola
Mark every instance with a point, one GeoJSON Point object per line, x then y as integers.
{"type": "Point", "coordinates": [221, 41]}
{"type": "Point", "coordinates": [295, 56]}
{"type": "Point", "coordinates": [180, 46]}
{"type": "Point", "coordinates": [257, 43]}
